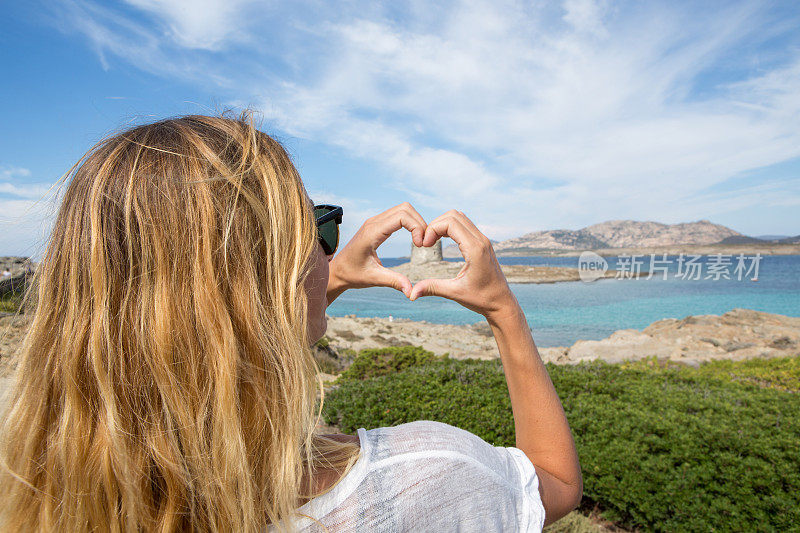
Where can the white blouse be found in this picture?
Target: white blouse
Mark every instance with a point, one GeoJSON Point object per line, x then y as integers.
{"type": "Point", "coordinates": [430, 476]}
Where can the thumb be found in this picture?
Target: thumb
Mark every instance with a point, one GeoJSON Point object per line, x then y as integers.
{"type": "Point", "coordinates": [397, 281]}
{"type": "Point", "coordinates": [431, 287]}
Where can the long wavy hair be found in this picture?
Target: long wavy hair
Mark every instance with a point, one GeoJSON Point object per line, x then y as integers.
{"type": "Point", "coordinates": [167, 380]}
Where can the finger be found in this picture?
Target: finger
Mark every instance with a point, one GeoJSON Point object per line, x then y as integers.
{"type": "Point", "coordinates": [406, 209]}
{"type": "Point", "coordinates": [404, 220]}
{"type": "Point", "coordinates": [400, 217]}
{"type": "Point", "coordinates": [431, 236]}
{"type": "Point", "coordinates": [449, 226]}
{"type": "Point", "coordinates": [469, 225]}
{"type": "Point", "coordinates": [433, 287]}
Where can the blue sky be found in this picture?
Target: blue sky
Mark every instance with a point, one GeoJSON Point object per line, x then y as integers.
{"type": "Point", "coordinates": [525, 116]}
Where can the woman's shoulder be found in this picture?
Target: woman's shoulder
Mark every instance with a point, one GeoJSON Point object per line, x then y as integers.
{"type": "Point", "coordinates": [426, 436]}
{"type": "Point", "coordinates": [421, 428]}
{"type": "Point", "coordinates": [434, 431]}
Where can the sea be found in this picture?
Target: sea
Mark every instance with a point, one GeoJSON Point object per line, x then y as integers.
{"type": "Point", "coordinates": [561, 313]}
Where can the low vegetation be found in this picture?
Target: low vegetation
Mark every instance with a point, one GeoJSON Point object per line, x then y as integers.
{"type": "Point", "coordinates": [331, 361]}
{"type": "Point", "coordinates": [663, 447]}
{"type": "Point", "coordinates": [382, 361]}
{"type": "Point", "coordinates": [10, 303]}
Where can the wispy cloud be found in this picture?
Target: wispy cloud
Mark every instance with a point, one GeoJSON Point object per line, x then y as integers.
{"type": "Point", "coordinates": [558, 114]}
{"type": "Point", "coordinates": [7, 173]}
{"type": "Point", "coordinates": [15, 181]}
{"type": "Point", "coordinates": [27, 212]}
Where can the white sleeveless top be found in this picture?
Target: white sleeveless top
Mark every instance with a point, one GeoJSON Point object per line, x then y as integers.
{"type": "Point", "coordinates": [430, 476]}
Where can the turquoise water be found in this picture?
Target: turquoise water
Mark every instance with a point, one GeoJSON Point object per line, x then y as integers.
{"type": "Point", "coordinates": [562, 313]}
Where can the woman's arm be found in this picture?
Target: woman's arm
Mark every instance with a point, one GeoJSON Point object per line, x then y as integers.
{"type": "Point", "coordinates": [357, 265]}
{"type": "Point", "coordinates": [541, 427]}
{"type": "Point", "coordinates": [542, 431]}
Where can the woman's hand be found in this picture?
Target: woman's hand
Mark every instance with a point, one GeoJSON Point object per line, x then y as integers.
{"type": "Point", "coordinates": [480, 285]}
{"type": "Point", "coordinates": [357, 265]}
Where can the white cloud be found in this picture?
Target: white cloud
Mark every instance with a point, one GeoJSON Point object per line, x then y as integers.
{"type": "Point", "coordinates": [27, 212]}
{"type": "Point", "coordinates": [202, 24]}
{"type": "Point", "coordinates": [25, 226]}
{"type": "Point", "coordinates": [585, 15]}
{"type": "Point", "coordinates": [553, 115]}
{"type": "Point", "coordinates": [612, 120]}
{"type": "Point", "coordinates": [11, 172]}
{"type": "Point", "coordinates": [13, 182]}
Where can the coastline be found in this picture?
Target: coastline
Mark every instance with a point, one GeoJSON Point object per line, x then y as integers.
{"type": "Point", "coordinates": [736, 335]}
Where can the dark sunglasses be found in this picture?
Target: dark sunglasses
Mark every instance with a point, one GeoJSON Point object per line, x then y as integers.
{"type": "Point", "coordinates": [328, 219]}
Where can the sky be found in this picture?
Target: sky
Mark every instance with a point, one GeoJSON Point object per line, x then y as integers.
{"type": "Point", "coordinates": [525, 116]}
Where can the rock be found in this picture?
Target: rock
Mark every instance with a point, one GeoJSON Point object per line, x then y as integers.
{"type": "Point", "coordinates": [459, 341]}
{"type": "Point", "coordinates": [482, 328]}
{"type": "Point", "coordinates": [783, 343]}
{"type": "Point", "coordinates": [734, 345]}
{"type": "Point", "coordinates": [626, 344]}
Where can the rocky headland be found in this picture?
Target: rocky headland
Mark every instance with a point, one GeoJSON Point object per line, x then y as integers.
{"type": "Point", "coordinates": [737, 334]}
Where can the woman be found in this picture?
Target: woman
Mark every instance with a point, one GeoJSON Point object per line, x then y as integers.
{"type": "Point", "coordinates": [167, 381]}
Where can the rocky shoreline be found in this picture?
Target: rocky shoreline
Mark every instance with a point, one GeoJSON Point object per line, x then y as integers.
{"type": "Point", "coordinates": [736, 335]}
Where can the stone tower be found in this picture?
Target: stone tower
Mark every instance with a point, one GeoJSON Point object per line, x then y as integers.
{"type": "Point", "coordinates": [421, 255]}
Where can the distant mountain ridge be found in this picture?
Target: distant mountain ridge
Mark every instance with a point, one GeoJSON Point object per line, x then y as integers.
{"type": "Point", "coordinates": [617, 234]}
{"type": "Point", "coordinates": [630, 233]}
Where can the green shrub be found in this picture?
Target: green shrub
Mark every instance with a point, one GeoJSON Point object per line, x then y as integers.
{"type": "Point", "coordinates": [324, 342]}
{"type": "Point", "coordinates": [10, 303]}
{"type": "Point", "coordinates": [781, 373]}
{"type": "Point", "coordinates": [380, 361]}
{"type": "Point", "coordinates": [661, 448]}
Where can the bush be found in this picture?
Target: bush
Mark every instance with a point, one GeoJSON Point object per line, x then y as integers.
{"type": "Point", "coordinates": [661, 448]}
{"type": "Point", "coordinates": [331, 360]}
{"type": "Point", "coordinates": [382, 361]}
{"type": "Point", "coordinates": [10, 303]}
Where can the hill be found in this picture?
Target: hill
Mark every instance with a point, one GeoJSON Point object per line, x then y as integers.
{"type": "Point", "coordinates": [617, 234]}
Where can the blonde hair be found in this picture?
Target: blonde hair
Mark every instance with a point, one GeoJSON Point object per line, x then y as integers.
{"type": "Point", "coordinates": [167, 380]}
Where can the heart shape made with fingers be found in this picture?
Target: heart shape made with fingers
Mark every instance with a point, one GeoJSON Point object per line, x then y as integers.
{"type": "Point", "coordinates": [358, 265]}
